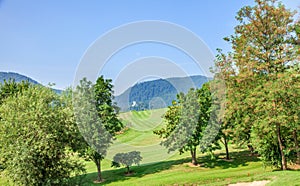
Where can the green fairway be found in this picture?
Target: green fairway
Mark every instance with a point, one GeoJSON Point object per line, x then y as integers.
{"type": "Point", "coordinates": [143, 120]}
{"type": "Point", "coordinates": [139, 136]}
{"type": "Point", "coordinates": [174, 169]}
{"type": "Point", "coordinates": [160, 168]}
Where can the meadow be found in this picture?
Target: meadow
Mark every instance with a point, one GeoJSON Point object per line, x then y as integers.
{"type": "Point", "coordinates": [176, 169]}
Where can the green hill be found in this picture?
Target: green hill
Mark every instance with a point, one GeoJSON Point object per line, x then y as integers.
{"type": "Point", "coordinates": [139, 135]}
{"type": "Point", "coordinates": [18, 78]}
{"type": "Point", "coordinates": [157, 93]}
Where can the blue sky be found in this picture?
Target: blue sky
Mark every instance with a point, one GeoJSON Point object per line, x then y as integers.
{"type": "Point", "coordinates": [45, 40]}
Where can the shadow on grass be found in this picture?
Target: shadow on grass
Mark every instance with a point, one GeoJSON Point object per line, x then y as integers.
{"type": "Point", "coordinates": [241, 158]}
{"type": "Point", "coordinates": [237, 159]}
{"type": "Point", "coordinates": [138, 171]}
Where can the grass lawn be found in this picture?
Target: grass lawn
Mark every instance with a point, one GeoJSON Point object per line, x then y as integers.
{"type": "Point", "coordinates": [174, 169]}
{"type": "Point", "coordinates": [140, 137]}
{"type": "Point", "coordinates": [177, 171]}
{"type": "Point", "coordinates": [160, 168]}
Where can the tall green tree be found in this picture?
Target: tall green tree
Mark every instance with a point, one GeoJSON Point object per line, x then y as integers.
{"type": "Point", "coordinates": [90, 125]}
{"type": "Point", "coordinates": [186, 121]}
{"type": "Point", "coordinates": [36, 138]}
{"type": "Point", "coordinates": [263, 52]}
{"type": "Point", "coordinates": [106, 108]}
{"type": "Point", "coordinates": [96, 117]}
{"type": "Point", "coordinates": [224, 70]}
{"type": "Point", "coordinates": [11, 88]}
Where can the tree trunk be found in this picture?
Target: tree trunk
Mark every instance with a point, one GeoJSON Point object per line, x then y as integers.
{"type": "Point", "coordinates": [226, 147]}
{"type": "Point", "coordinates": [194, 158]}
{"type": "Point", "coordinates": [128, 171]}
{"type": "Point", "coordinates": [98, 164]}
{"type": "Point", "coordinates": [296, 146]}
{"type": "Point", "coordinates": [281, 147]}
{"type": "Point", "coordinates": [251, 149]}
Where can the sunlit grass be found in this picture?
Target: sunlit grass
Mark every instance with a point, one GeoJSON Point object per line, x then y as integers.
{"type": "Point", "coordinates": [175, 169]}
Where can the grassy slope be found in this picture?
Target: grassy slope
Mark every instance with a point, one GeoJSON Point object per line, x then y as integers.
{"type": "Point", "coordinates": [175, 169]}
{"type": "Point", "coordinates": [139, 136]}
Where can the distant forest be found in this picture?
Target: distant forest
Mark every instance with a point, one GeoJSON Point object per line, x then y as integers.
{"type": "Point", "coordinates": [157, 93]}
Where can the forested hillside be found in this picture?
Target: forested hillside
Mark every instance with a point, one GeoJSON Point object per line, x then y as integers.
{"type": "Point", "coordinates": [18, 78]}
{"type": "Point", "coordinates": [157, 93]}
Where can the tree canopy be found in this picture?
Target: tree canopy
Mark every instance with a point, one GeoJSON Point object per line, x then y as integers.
{"type": "Point", "coordinates": [186, 121]}
{"type": "Point", "coordinates": [127, 159]}
{"type": "Point", "coordinates": [263, 81]}
{"type": "Point", "coordinates": [36, 138]}
{"type": "Point", "coordinates": [96, 117]}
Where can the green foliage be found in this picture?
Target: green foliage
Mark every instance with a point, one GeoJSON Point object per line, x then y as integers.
{"type": "Point", "coordinates": [166, 89]}
{"type": "Point", "coordinates": [107, 111]}
{"type": "Point", "coordinates": [232, 126]}
{"type": "Point", "coordinates": [127, 159]}
{"type": "Point", "coordinates": [36, 138]}
{"type": "Point", "coordinates": [261, 81]}
{"type": "Point", "coordinates": [96, 116]}
{"type": "Point", "coordinates": [171, 117]}
{"type": "Point", "coordinates": [18, 78]}
{"type": "Point", "coordinates": [90, 124]}
{"type": "Point", "coordinates": [186, 122]}
{"type": "Point", "coordinates": [12, 76]}
{"type": "Point", "coordinates": [12, 88]}
{"type": "Point", "coordinates": [144, 92]}
{"type": "Point", "coordinates": [278, 111]}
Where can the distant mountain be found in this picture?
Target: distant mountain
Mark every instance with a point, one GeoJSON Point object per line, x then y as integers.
{"type": "Point", "coordinates": [144, 95]}
{"type": "Point", "coordinates": [157, 93]}
{"type": "Point", "coordinates": [18, 78]}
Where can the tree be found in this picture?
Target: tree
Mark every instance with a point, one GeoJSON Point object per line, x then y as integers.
{"type": "Point", "coordinates": [36, 138]}
{"type": "Point", "coordinates": [11, 88]}
{"type": "Point", "coordinates": [297, 29]}
{"type": "Point", "coordinates": [107, 110]}
{"type": "Point", "coordinates": [186, 121]}
{"type": "Point", "coordinates": [224, 69]}
{"type": "Point", "coordinates": [263, 52]}
{"type": "Point", "coordinates": [127, 159]}
{"type": "Point", "coordinates": [282, 107]}
{"type": "Point", "coordinates": [90, 125]}
{"type": "Point", "coordinates": [97, 118]}
{"type": "Point", "coordinates": [297, 71]}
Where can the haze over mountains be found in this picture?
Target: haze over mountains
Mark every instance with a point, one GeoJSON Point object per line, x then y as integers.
{"type": "Point", "coordinates": [142, 96]}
